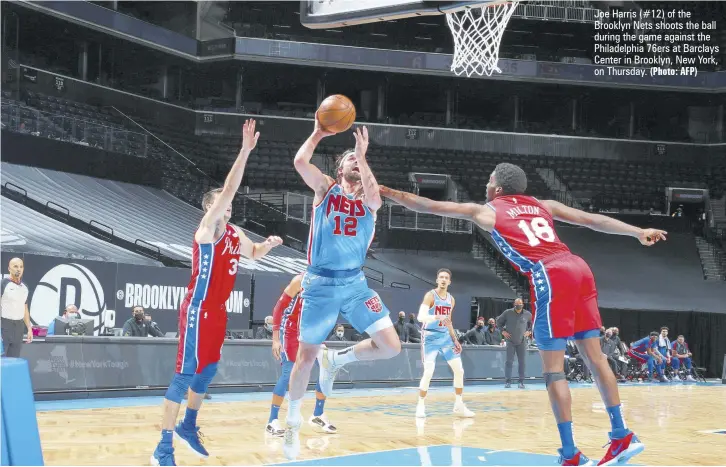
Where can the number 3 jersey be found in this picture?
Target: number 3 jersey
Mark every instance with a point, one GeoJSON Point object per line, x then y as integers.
{"type": "Point", "coordinates": [214, 271]}
{"type": "Point", "coordinates": [524, 231]}
{"type": "Point", "coordinates": [341, 230]}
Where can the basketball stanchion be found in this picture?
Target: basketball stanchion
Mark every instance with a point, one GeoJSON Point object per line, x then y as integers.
{"type": "Point", "coordinates": [20, 438]}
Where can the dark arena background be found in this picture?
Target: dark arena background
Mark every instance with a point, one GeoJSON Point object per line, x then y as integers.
{"type": "Point", "coordinates": [117, 116]}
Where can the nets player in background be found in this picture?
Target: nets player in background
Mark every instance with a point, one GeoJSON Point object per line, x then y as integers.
{"type": "Point", "coordinates": [438, 337]}
{"type": "Point", "coordinates": [202, 315]}
{"type": "Point", "coordinates": [285, 328]}
{"type": "Point", "coordinates": [341, 230]}
{"type": "Point", "coordinates": [564, 296]}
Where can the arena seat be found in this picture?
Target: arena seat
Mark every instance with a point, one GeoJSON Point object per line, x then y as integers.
{"type": "Point", "coordinates": [630, 276]}
{"type": "Point", "coordinates": [133, 211]}
{"type": "Point", "coordinates": [28, 231]}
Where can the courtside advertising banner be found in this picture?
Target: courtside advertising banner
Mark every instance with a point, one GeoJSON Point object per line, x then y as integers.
{"type": "Point", "coordinates": [106, 292]}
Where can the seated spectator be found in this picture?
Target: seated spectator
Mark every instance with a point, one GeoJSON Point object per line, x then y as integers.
{"type": "Point", "coordinates": [664, 348]}
{"type": "Point", "coordinates": [477, 334]}
{"type": "Point", "coordinates": [265, 332]}
{"type": "Point", "coordinates": [400, 327]}
{"type": "Point", "coordinates": [338, 334]}
{"type": "Point", "coordinates": [645, 351]}
{"type": "Point", "coordinates": [139, 326]}
{"type": "Point", "coordinates": [610, 350]}
{"type": "Point", "coordinates": [493, 336]}
{"type": "Point", "coordinates": [681, 353]}
{"type": "Point", "coordinates": [71, 312]}
{"type": "Point", "coordinates": [414, 332]}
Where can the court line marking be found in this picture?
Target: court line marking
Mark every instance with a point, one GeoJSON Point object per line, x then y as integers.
{"type": "Point", "coordinates": [719, 431]}
{"type": "Point", "coordinates": [359, 454]}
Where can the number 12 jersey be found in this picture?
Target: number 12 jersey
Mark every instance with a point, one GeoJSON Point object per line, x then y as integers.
{"type": "Point", "coordinates": [341, 230]}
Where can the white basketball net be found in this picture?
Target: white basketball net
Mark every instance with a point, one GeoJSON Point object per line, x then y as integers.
{"type": "Point", "coordinates": [477, 34]}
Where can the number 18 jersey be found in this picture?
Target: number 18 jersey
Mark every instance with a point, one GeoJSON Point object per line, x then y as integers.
{"type": "Point", "coordinates": [341, 231]}
{"type": "Point", "coordinates": [524, 231]}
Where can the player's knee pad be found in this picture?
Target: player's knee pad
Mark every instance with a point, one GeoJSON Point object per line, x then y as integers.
{"type": "Point", "coordinates": [553, 377]}
{"type": "Point", "coordinates": [201, 381]}
{"type": "Point", "coordinates": [284, 380]}
{"type": "Point", "coordinates": [178, 387]}
{"type": "Point", "coordinates": [458, 370]}
{"type": "Point", "coordinates": [428, 373]}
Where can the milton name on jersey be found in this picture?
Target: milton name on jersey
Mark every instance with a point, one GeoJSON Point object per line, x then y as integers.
{"type": "Point", "coordinates": [524, 230]}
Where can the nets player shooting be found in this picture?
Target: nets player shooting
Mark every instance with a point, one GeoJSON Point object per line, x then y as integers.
{"type": "Point", "coordinates": [438, 337]}
{"type": "Point", "coordinates": [341, 230]}
{"type": "Point", "coordinates": [285, 328]}
{"type": "Point", "coordinates": [563, 289]}
{"type": "Point", "coordinates": [202, 315]}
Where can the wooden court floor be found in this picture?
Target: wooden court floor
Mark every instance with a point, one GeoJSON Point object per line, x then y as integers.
{"type": "Point", "coordinates": [669, 419]}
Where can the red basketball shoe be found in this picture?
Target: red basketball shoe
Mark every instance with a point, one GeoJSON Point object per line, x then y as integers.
{"type": "Point", "coordinates": [622, 450]}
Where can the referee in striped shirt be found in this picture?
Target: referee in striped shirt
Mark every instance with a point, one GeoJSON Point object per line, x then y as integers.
{"type": "Point", "coordinates": [14, 310]}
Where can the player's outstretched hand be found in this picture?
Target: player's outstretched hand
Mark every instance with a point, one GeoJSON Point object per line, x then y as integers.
{"type": "Point", "coordinates": [273, 241]}
{"type": "Point", "coordinates": [361, 142]}
{"type": "Point", "coordinates": [249, 137]}
{"type": "Point", "coordinates": [650, 237]}
{"type": "Point", "coordinates": [319, 128]}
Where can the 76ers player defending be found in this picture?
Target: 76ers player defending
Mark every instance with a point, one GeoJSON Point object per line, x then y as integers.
{"type": "Point", "coordinates": [285, 329]}
{"type": "Point", "coordinates": [563, 290]}
{"type": "Point", "coordinates": [438, 337]}
{"type": "Point", "coordinates": [202, 315]}
{"type": "Point", "coordinates": [341, 230]}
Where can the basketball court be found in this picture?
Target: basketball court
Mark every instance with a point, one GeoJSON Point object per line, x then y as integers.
{"type": "Point", "coordinates": [680, 425]}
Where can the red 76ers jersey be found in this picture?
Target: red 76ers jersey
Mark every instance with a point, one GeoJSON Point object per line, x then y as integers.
{"type": "Point", "coordinates": [214, 270]}
{"type": "Point", "coordinates": [524, 231]}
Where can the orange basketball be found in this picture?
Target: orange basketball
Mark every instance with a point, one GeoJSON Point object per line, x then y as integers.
{"type": "Point", "coordinates": [336, 113]}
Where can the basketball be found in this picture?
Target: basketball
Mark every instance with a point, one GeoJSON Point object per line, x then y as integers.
{"type": "Point", "coordinates": [336, 113]}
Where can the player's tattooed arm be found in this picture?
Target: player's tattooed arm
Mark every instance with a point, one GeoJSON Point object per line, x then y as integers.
{"type": "Point", "coordinates": [311, 175]}
{"type": "Point", "coordinates": [216, 211]}
{"type": "Point", "coordinates": [479, 214]}
{"type": "Point", "coordinates": [603, 224]}
{"type": "Point", "coordinates": [370, 185]}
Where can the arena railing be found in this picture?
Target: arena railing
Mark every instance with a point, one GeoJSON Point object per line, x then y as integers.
{"type": "Point", "coordinates": [402, 218]}
{"type": "Point", "coordinates": [390, 135]}
{"type": "Point", "coordinates": [73, 129]}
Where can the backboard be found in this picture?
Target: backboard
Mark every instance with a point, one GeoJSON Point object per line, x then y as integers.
{"type": "Point", "coordinates": [319, 14]}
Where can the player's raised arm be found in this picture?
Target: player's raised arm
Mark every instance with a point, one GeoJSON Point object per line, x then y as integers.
{"type": "Point", "coordinates": [252, 250]}
{"type": "Point", "coordinates": [370, 185]}
{"type": "Point", "coordinates": [216, 212]}
{"type": "Point", "coordinates": [603, 224]}
{"type": "Point", "coordinates": [477, 213]}
{"type": "Point", "coordinates": [311, 175]}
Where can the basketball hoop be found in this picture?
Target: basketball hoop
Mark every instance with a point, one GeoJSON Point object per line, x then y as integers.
{"type": "Point", "coordinates": [477, 35]}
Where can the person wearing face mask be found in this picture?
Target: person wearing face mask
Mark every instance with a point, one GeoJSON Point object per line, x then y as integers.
{"type": "Point", "coordinates": [338, 334]}
{"type": "Point", "coordinates": [414, 332]}
{"type": "Point", "coordinates": [138, 326]}
{"type": "Point", "coordinates": [265, 332]}
{"type": "Point", "coordinates": [516, 325]}
{"type": "Point", "coordinates": [400, 327]}
{"type": "Point", "coordinates": [70, 312]}
{"type": "Point", "coordinates": [609, 348]}
{"type": "Point", "coordinates": [493, 336]}
{"type": "Point", "coordinates": [477, 334]}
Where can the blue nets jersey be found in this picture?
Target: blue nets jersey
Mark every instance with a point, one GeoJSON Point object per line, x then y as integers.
{"type": "Point", "coordinates": [442, 308]}
{"type": "Point", "coordinates": [341, 231]}
{"type": "Point", "coordinates": [643, 344]}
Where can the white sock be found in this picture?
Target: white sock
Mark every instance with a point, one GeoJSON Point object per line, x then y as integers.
{"type": "Point", "coordinates": [345, 356]}
{"type": "Point", "coordinates": [421, 399]}
{"type": "Point", "coordinates": [459, 399]}
{"type": "Point", "coordinates": [293, 412]}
